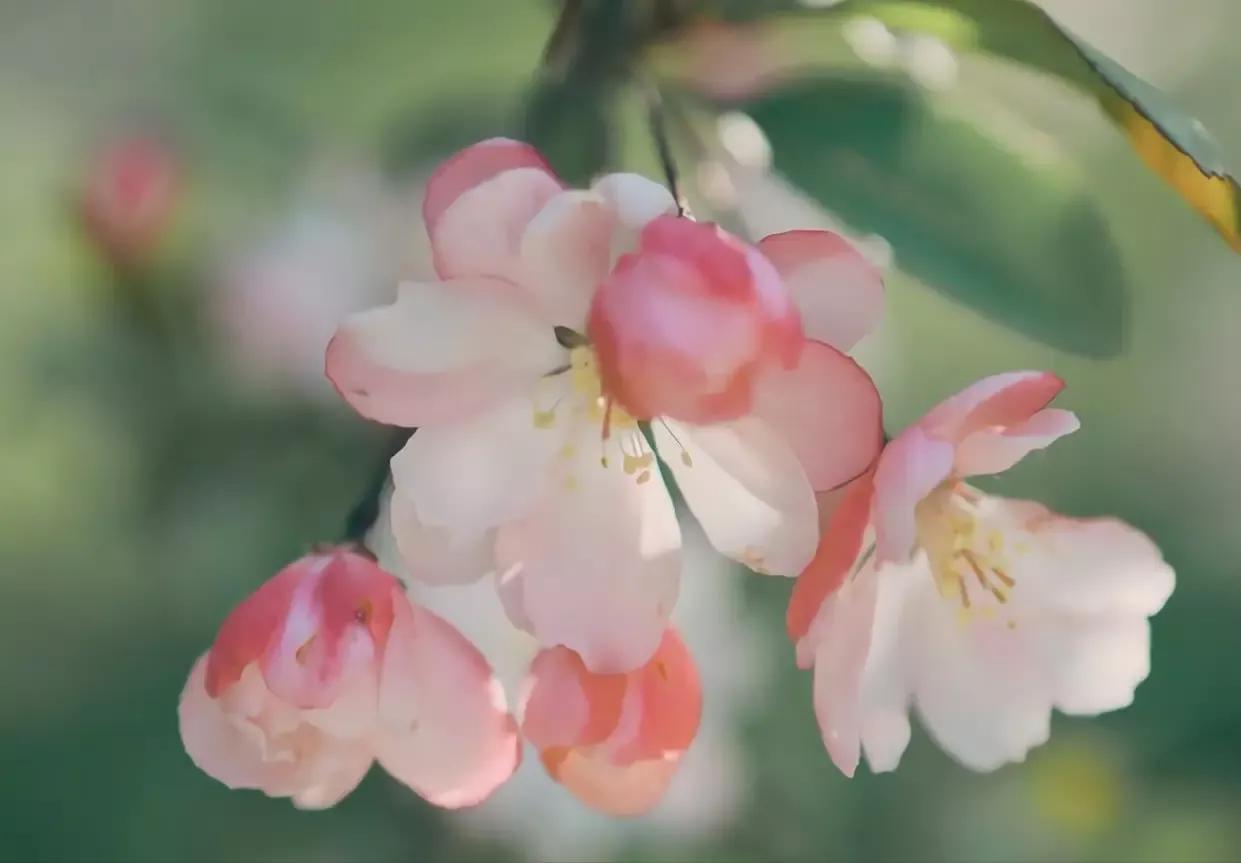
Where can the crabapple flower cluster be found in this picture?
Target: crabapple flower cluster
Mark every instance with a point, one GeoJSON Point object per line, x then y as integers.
{"type": "Point", "coordinates": [579, 352]}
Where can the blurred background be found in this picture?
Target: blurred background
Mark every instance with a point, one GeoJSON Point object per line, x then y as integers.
{"type": "Point", "coordinates": [193, 193]}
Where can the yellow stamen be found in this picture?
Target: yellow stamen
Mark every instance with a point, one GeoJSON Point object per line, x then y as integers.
{"type": "Point", "coordinates": [960, 546]}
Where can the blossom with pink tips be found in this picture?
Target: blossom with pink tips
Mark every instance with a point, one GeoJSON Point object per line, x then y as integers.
{"type": "Point", "coordinates": [328, 667]}
{"type": "Point", "coordinates": [981, 612]}
{"type": "Point", "coordinates": [614, 740]}
{"type": "Point", "coordinates": [523, 369]}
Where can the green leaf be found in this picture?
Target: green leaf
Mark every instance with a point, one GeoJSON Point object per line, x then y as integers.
{"type": "Point", "coordinates": [964, 211]}
{"type": "Point", "coordinates": [1173, 144]}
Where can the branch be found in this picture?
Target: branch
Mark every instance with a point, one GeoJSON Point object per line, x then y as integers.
{"type": "Point", "coordinates": [555, 50]}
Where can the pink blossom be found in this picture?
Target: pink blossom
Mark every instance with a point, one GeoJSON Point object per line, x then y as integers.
{"type": "Point", "coordinates": [527, 464]}
{"type": "Point", "coordinates": [983, 613]}
{"type": "Point", "coordinates": [685, 325]}
{"type": "Point", "coordinates": [131, 190]}
{"type": "Point", "coordinates": [614, 740]}
{"type": "Point", "coordinates": [328, 667]}
{"type": "Point", "coordinates": [532, 811]}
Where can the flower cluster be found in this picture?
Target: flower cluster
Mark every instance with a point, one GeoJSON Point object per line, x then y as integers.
{"type": "Point", "coordinates": [581, 352]}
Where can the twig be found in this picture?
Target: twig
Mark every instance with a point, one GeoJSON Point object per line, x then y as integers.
{"type": "Point", "coordinates": [659, 131]}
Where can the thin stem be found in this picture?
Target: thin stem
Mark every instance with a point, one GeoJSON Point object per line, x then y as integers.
{"type": "Point", "coordinates": [659, 131]}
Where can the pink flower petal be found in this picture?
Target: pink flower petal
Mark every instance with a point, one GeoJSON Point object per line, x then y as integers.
{"type": "Point", "coordinates": [351, 715]}
{"type": "Point", "coordinates": [993, 450]}
{"type": "Point", "coordinates": [829, 411]}
{"type": "Point", "coordinates": [747, 489]}
{"type": "Point", "coordinates": [445, 731]}
{"type": "Point", "coordinates": [839, 547]}
{"type": "Point", "coordinates": [614, 740]}
{"type": "Point", "coordinates": [219, 746]}
{"type": "Point", "coordinates": [473, 166]}
{"type": "Point", "coordinates": [909, 468]}
{"type": "Point", "coordinates": [596, 565]}
{"type": "Point", "coordinates": [479, 234]}
{"type": "Point", "coordinates": [335, 772]}
{"type": "Point", "coordinates": [622, 790]}
{"type": "Point", "coordinates": [332, 630]}
{"type": "Point", "coordinates": [685, 325]}
{"type": "Point", "coordinates": [671, 698]}
{"type": "Point", "coordinates": [250, 740]}
{"type": "Point", "coordinates": [838, 291]}
{"type": "Point", "coordinates": [566, 704]}
{"type": "Point", "coordinates": [249, 628]}
{"type": "Point", "coordinates": [442, 351]}
{"type": "Point", "coordinates": [1000, 400]}
{"type": "Point", "coordinates": [349, 671]}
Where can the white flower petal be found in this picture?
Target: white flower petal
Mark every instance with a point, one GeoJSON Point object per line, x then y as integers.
{"type": "Point", "coordinates": [978, 686]}
{"type": "Point", "coordinates": [1095, 664]}
{"type": "Point", "coordinates": [842, 635]}
{"type": "Point", "coordinates": [441, 351]}
{"type": "Point", "coordinates": [437, 555]}
{"type": "Point", "coordinates": [886, 691]}
{"type": "Point", "coordinates": [566, 254]}
{"type": "Point", "coordinates": [476, 474]}
{"type": "Point", "coordinates": [596, 565]}
{"type": "Point", "coordinates": [1082, 566]}
{"type": "Point", "coordinates": [635, 199]}
{"type": "Point", "coordinates": [747, 489]}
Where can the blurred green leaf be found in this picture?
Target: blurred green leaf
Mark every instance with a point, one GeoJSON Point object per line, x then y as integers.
{"type": "Point", "coordinates": [964, 211]}
{"type": "Point", "coordinates": [1174, 145]}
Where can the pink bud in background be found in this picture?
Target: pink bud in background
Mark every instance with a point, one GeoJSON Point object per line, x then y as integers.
{"type": "Point", "coordinates": [328, 667]}
{"type": "Point", "coordinates": [686, 324]}
{"type": "Point", "coordinates": [614, 740]}
{"type": "Point", "coordinates": [131, 190]}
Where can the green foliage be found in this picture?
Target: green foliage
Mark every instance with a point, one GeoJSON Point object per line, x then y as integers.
{"type": "Point", "coordinates": [145, 494]}
{"type": "Point", "coordinates": [965, 211]}
{"type": "Point", "coordinates": [1172, 143]}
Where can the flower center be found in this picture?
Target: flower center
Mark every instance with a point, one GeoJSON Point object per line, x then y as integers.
{"type": "Point", "coordinates": [967, 555]}
{"type": "Point", "coordinates": [619, 432]}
